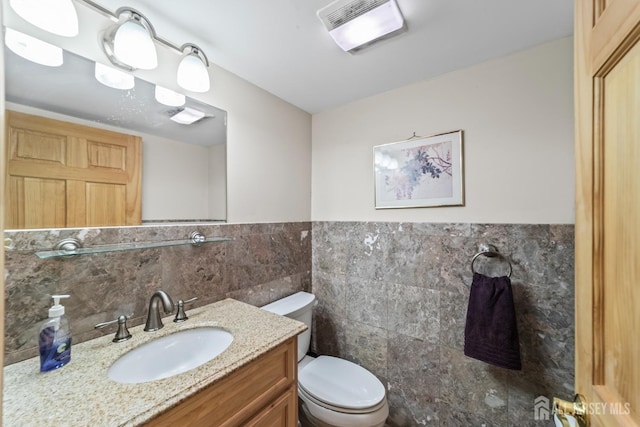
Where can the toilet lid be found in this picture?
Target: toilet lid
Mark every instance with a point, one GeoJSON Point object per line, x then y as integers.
{"type": "Point", "coordinates": [341, 383]}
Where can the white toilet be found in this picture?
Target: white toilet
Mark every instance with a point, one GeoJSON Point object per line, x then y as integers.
{"type": "Point", "coordinates": [332, 392]}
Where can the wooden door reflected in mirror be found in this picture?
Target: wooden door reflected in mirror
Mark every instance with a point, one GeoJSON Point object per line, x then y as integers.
{"type": "Point", "coordinates": [61, 174]}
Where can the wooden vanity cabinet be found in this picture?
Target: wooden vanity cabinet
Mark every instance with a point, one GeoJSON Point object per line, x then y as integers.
{"type": "Point", "coordinates": [262, 393]}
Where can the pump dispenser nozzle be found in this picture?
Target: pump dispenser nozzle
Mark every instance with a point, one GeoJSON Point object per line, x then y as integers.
{"type": "Point", "coordinates": [57, 310]}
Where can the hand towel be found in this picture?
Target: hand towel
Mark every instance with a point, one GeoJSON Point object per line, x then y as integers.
{"type": "Point", "coordinates": [491, 331]}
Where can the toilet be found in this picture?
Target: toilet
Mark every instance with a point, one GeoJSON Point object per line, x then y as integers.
{"type": "Point", "coordinates": [332, 392]}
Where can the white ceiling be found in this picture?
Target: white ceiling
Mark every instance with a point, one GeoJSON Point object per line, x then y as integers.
{"type": "Point", "coordinates": [282, 47]}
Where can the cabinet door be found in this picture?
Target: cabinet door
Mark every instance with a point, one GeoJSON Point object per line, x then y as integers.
{"type": "Point", "coordinates": [253, 389]}
{"type": "Point", "coordinates": [61, 174]}
{"type": "Point", "coordinates": [281, 413]}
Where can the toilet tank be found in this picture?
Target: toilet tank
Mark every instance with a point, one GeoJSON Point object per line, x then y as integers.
{"type": "Point", "coordinates": [298, 306]}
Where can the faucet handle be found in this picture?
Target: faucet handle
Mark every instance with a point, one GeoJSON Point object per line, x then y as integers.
{"type": "Point", "coordinates": [181, 316]}
{"type": "Point", "coordinates": [123, 333]}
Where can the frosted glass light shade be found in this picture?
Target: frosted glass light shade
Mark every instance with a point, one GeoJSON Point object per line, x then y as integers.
{"type": "Point", "coordinates": [55, 16]}
{"type": "Point", "coordinates": [111, 77]}
{"type": "Point", "coordinates": [133, 46]}
{"type": "Point", "coordinates": [193, 74]}
{"type": "Point", "coordinates": [33, 49]}
{"type": "Point", "coordinates": [168, 97]}
{"type": "Point", "coordinates": [368, 27]}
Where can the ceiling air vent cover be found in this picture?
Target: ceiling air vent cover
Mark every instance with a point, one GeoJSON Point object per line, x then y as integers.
{"type": "Point", "coordinates": [355, 24]}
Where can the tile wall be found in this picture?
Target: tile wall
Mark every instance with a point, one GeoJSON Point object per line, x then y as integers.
{"type": "Point", "coordinates": [262, 263]}
{"type": "Point", "coordinates": [393, 298]}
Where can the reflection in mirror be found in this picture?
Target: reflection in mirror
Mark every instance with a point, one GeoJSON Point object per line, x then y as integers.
{"type": "Point", "coordinates": [183, 166]}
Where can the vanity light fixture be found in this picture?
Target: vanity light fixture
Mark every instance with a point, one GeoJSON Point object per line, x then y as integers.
{"type": "Point", "coordinates": [130, 45]}
{"type": "Point", "coordinates": [169, 97]}
{"type": "Point", "coordinates": [33, 49]}
{"type": "Point", "coordinates": [55, 16]}
{"type": "Point", "coordinates": [192, 71]}
{"type": "Point", "coordinates": [114, 78]}
{"type": "Point", "coordinates": [355, 24]}
{"type": "Point", "coordinates": [188, 116]}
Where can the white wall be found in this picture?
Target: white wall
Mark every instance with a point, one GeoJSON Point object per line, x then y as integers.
{"type": "Point", "coordinates": [517, 116]}
{"type": "Point", "coordinates": [175, 180]}
{"type": "Point", "coordinates": [268, 139]}
{"type": "Point", "coordinates": [218, 181]}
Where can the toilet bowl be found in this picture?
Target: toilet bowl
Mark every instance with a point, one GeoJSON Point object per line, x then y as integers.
{"type": "Point", "coordinates": [332, 392]}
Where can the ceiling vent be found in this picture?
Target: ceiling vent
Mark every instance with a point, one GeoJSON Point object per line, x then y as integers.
{"type": "Point", "coordinates": [186, 115]}
{"type": "Point", "coordinates": [356, 24]}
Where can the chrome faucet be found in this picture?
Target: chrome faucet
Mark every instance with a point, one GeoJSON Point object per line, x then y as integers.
{"type": "Point", "coordinates": [153, 317]}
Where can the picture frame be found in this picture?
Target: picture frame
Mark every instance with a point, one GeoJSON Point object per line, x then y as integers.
{"type": "Point", "coordinates": [420, 172]}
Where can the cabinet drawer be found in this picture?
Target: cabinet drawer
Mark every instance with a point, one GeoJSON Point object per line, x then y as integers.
{"type": "Point", "coordinates": [235, 398]}
{"type": "Point", "coordinates": [281, 413]}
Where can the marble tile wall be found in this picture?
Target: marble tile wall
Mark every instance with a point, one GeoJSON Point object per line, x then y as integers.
{"type": "Point", "coordinates": [393, 298]}
{"type": "Point", "coordinates": [262, 263]}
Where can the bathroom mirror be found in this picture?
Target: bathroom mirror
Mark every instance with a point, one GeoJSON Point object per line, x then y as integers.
{"type": "Point", "coordinates": [183, 166]}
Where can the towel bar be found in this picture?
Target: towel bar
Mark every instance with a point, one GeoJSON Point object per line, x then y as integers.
{"type": "Point", "coordinates": [491, 252]}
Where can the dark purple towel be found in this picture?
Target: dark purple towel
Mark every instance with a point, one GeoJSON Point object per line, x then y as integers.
{"type": "Point", "coordinates": [491, 332]}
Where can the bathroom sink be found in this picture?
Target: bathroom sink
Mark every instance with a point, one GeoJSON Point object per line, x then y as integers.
{"type": "Point", "coordinates": [170, 355]}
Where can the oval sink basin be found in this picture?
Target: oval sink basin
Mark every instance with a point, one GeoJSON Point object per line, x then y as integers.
{"type": "Point", "coordinates": [170, 355]}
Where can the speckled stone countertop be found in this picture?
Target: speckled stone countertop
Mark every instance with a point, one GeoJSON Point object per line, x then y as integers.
{"type": "Point", "coordinates": [81, 394]}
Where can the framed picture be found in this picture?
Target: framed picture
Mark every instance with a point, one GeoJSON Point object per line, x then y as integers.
{"type": "Point", "coordinates": [419, 172]}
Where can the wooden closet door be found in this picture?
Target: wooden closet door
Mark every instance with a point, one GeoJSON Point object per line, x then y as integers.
{"type": "Point", "coordinates": [607, 37]}
{"type": "Point", "coordinates": [61, 174]}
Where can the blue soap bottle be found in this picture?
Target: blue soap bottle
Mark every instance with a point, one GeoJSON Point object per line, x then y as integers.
{"type": "Point", "coordinates": [54, 338]}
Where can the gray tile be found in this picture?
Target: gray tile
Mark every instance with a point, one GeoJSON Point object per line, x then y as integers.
{"type": "Point", "coordinates": [329, 334]}
{"type": "Point", "coordinates": [330, 290]}
{"type": "Point", "coordinates": [428, 265]}
{"type": "Point", "coordinates": [415, 312]}
{"type": "Point", "coordinates": [367, 302]}
{"type": "Point", "coordinates": [474, 387]}
{"type": "Point", "coordinates": [421, 271]}
{"type": "Point", "coordinates": [263, 261]}
{"type": "Point", "coordinates": [413, 377]}
{"type": "Point", "coordinates": [453, 317]}
{"type": "Point", "coordinates": [403, 413]}
{"type": "Point", "coordinates": [367, 346]}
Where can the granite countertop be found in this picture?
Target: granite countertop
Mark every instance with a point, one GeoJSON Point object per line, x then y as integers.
{"type": "Point", "coordinates": [81, 394]}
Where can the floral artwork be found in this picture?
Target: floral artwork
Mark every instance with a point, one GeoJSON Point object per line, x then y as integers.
{"type": "Point", "coordinates": [419, 172]}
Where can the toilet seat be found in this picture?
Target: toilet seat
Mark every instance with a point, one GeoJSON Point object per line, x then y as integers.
{"type": "Point", "coordinates": [341, 386]}
{"type": "Point", "coordinates": [302, 394]}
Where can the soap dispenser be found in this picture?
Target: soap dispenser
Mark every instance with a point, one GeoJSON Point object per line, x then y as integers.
{"type": "Point", "coordinates": [54, 339]}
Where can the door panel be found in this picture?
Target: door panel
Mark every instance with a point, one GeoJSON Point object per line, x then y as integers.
{"type": "Point", "coordinates": [106, 203]}
{"type": "Point", "coordinates": [107, 156]}
{"type": "Point", "coordinates": [621, 232]}
{"type": "Point", "coordinates": [37, 146]}
{"type": "Point", "coordinates": [36, 202]}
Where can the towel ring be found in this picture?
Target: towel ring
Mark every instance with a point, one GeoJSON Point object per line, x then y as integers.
{"type": "Point", "coordinates": [491, 252]}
